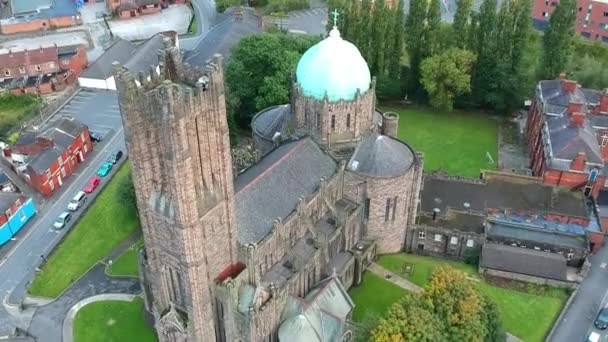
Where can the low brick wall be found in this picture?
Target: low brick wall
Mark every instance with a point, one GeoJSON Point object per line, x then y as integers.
{"type": "Point", "coordinates": [528, 278]}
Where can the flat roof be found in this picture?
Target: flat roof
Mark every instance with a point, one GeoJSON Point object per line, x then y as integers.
{"type": "Point", "coordinates": [30, 6]}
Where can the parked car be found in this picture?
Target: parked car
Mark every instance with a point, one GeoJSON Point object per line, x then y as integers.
{"type": "Point", "coordinates": [62, 220]}
{"type": "Point", "coordinates": [77, 201]}
{"type": "Point", "coordinates": [115, 157]}
{"type": "Point", "coordinates": [105, 169]}
{"type": "Point", "coordinates": [92, 184]}
{"type": "Point", "coordinates": [601, 321]}
{"type": "Point", "coordinates": [95, 137]}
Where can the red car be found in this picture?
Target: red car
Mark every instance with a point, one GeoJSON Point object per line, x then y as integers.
{"type": "Point", "coordinates": [92, 185]}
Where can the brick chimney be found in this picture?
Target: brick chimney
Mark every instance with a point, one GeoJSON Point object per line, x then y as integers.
{"type": "Point", "coordinates": [578, 164]}
{"type": "Point", "coordinates": [577, 119]}
{"type": "Point", "coordinates": [574, 107]}
{"type": "Point", "coordinates": [604, 101]}
{"type": "Point", "coordinates": [569, 86]}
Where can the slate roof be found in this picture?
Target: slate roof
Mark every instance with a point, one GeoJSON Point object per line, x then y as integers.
{"type": "Point", "coordinates": [567, 141]}
{"type": "Point", "coordinates": [7, 199]}
{"type": "Point", "coordinates": [500, 193]}
{"type": "Point", "coordinates": [271, 188]}
{"type": "Point", "coordinates": [463, 221]}
{"type": "Point", "coordinates": [121, 50]}
{"type": "Point", "coordinates": [30, 6]}
{"type": "Point", "coordinates": [43, 160]}
{"type": "Point", "coordinates": [146, 55]}
{"type": "Point", "coordinates": [381, 156]}
{"type": "Point", "coordinates": [28, 10]}
{"type": "Point", "coordinates": [339, 262]}
{"type": "Point", "coordinates": [523, 232]}
{"type": "Point", "coordinates": [269, 121]}
{"type": "Point", "coordinates": [13, 59]}
{"type": "Point", "coordinates": [523, 261]}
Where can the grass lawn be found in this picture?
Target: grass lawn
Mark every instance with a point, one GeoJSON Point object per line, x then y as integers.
{"type": "Point", "coordinates": [112, 321]}
{"type": "Point", "coordinates": [126, 264]}
{"type": "Point", "coordinates": [526, 315]}
{"type": "Point", "coordinates": [456, 142]}
{"type": "Point", "coordinates": [193, 29]}
{"type": "Point", "coordinates": [14, 110]}
{"type": "Point", "coordinates": [374, 295]}
{"type": "Point", "coordinates": [105, 225]}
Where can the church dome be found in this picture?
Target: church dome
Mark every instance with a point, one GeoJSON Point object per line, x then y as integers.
{"type": "Point", "coordinates": [334, 67]}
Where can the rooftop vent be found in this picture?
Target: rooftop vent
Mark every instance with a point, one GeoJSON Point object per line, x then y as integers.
{"type": "Point", "coordinates": [467, 205]}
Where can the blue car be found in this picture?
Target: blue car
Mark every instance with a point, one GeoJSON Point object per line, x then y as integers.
{"type": "Point", "coordinates": [105, 169]}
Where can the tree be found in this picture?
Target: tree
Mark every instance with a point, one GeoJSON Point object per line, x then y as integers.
{"type": "Point", "coordinates": [457, 304]}
{"type": "Point", "coordinates": [414, 26]}
{"type": "Point", "coordinates": [490, 318]}
{"type": "Point", "coordinates": [410, 319]}
{"type": "Point", "coordinates": [446, 76]}
{"type": "Point", "coordinates": [432, 30]}
{"type": "Point", "coordinates": [395, 39]}
{"type": "Point", "coordinates": [590, 72]}
{"type": "Point", "coordinates": [484, 79]}
{"type": "Point", "coordinates": [259, 72]}
{"type": "Point", "coordinates": [461, 24]}
{"type": "Point", "coordinates": [558, 39]}
{"type": "Point", "coordinates": [222, 5]}
{"type": "Point", "coordinates": [126, 192]}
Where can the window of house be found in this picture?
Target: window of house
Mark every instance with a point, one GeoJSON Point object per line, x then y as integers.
{"type": "Point", "coordinates": [8, 213]}
{"type": "Point", "coordinates": [51, 184]}
{"type": "Point", "coordinates": [21, 215]}
{"type": "Point", "coordinates": [60, 160]}
{"type": "Point", "coordinates": [454, 240]}
{"type": "Point", "coordinates": [366, 208]}
{"type": "Point", "coordinates": [470, 243]}
{"type": "Point", "coordinates": [37, 67]}
{"type": "Point", "coordinates": [22, 70]}
{"type": "Point", "coordinates": [63, 172]}
{"type": "Point", "coordinates": [604, 26]}
{"type": "Point", "coordinates": [348, 120]}
{"type": "Point", "coordinates": [7, 72]}
{"type": "Point", "coordinates": [86, 149]}
{"type": "Point", "coordinates": [65, 61]}
{"type": "Point", "coordinates": [48, 174]}
{"type": "Point", "coordinates": [333, 122]}
{"type": "Point", "coordinates": [387, 209]}
{"type": "Point", "coordinates": [569, 256]}
{"type": "Point", "coordinates": [421, 234]}
{"type": "Point", "coordinates": [438, 237]}
{"type": "Point", "coordinates": [82, 137]}
{"type": "Point", "coordinates": [605, 14]}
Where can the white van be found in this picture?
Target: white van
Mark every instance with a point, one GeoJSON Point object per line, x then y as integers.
{"type": "Point", "coordinates": [593, 337]}
{"type": "Point", "coordinates": [77, 201]}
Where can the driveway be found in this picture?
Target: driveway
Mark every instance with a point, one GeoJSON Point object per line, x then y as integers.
{"type": "Point", "coordinates": [312, 21]}
{"type": "Point", "coordinates": [175, 18]}
{"type": "Point", "coordinates": [17, 267]}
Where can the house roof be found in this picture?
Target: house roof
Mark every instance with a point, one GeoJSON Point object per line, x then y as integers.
{"type": "Point", "coordinates": [567, 141]}
{"type": "Point", "coordinates": [68, 50]}
{"type": "Point", "coordinates": [271, 120]}
{"type": "Point", "coordinates": [523, 261]}
{"type": "Point", "coordinates": [7, 199]}
{"type": "Point", "coordinates": [30, 6]}
{"type": "Point", "coordinates": [526, 232]}
{"type": "Point", "coordinates": [454, 219]}
{"type": "Point", "coordinates": [26, 11]}
{"type": "Point", "coordinates": [381, 156]}
{"type": "Point", "coordinates": [13, 59]}
{"type": "Point", "coordinates": [271, 188]}
{"type": "Point", "coordinates": [518, 193]}
{"type": "Point", "coordinates": [43, 160]}
{"type": "Point", "coordinates": [146, 55]}
{"type": "Point", "coordinates": [121, 50]}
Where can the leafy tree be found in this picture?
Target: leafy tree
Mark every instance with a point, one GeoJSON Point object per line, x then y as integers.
{"type": "Point", "coordinates": [484, 42]}
{"type": "Point", "coordinates": [590, 72]}
{"type": "Point", "coordinates": [126, 192]}
{"type": "Point", "coordinates": [222, 5]}
{"type": "Point", "coordinates": [395, 39]}
{"type": "Point", "coordinates": [457, 304]}
{"type": "Point", "coordinates": [414, 26]}
{"type": "Point", "coordinates": [558, 39]}
{"type": "Point", "coordinates": [379, 41]}
{"type": "Point", "coordinates": [461, 24]}
{"type": "Point", "coordinates": [446, 76]}
{"type": "Point", "coordinates": [259, 72]}
{"type": "Point", "coordinates": [363, 329]}
{"type": "Point", "coordinates": [410, 319]}
{"type": "Point", "coordinates": [432, 30]}
{"type": "Point", "coordinates": [490, 317]}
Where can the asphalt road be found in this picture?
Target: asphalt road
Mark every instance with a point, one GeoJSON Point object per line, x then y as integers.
{"type": "Point", "coordinates": [100, 111]}
{"type": "Point", "coordinates": [577, 322]}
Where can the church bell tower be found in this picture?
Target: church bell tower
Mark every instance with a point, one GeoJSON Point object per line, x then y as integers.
{"type": "Point", "coordinates": [177, 137]}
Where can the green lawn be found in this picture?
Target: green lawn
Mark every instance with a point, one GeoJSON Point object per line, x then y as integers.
{"type": "Point", "coordinates": [106, 224]}
{"type": "Point", "coordinates": [526, 315]}
{"type": "Point", "coordinates": [126, 264]}
{"type": "Point", "coordinates": [112, 321]}
{"type": "Point", "coordinates": [457, 142]}
{"type": "Point", "coordinates": [374, 295]}
{"type": "Point", "coordinates": [193, 29]}
{"type": "Point", "coordinates": [14, 110]}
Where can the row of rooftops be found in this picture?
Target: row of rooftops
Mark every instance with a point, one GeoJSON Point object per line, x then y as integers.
{"type": "Point", "coordinates": [26, 82]}
{"type": "Point", "coordinates": [576, 119]}
{"type": "Point", "coordinates": [12, 11]}
{"type": "Point", "coordinates": [41, 55]}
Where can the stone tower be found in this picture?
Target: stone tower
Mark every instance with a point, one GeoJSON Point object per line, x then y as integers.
{"type": "Point", "coordinates": [177, 137]}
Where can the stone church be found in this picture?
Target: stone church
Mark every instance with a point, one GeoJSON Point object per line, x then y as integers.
{"type": "Point", "coordinates": [268, 254]}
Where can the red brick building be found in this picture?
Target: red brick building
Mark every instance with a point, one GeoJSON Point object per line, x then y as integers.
{"type": "Point", "coordinates": [17, 16]}
{"type": "Point", "coordinates": [126, 9]}
{"type": "Point", "coordinates": [591, 20]}
{"type": "Point", "coordinates": [53, 153]}
{"type": "Point", "coordinates": [42, 70]}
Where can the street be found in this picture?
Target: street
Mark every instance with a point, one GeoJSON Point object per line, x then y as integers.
{"type": "Point", "coordinates": [98, 110]}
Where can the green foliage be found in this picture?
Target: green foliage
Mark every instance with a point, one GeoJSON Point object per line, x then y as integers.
{"type": "Point", "coordinates": [432, 30]}
{"type": "Point", "coordinates": [126, 192]}
{"type": "Point", "coordinates": [591, 72]}
{"type": "Point", "coordinates": [126, 264]}
{"type": "Point", "coordinates": [388, 88]}
{"type": "Point", "coordinates": [374, 296]}
{"type": "Point", "coordinates": [416, 31]}
{"type": "Point", "coordinates": [462, 24]}
{"type": "Point", "coordinates": [446, 76]}
{"type": "Point", "coordinates": [490, 318]}
{"type": "Point", "coordinates": [15, 109]}
{"type": "Point", "coordinates": [558, 39]}
{"type": "Point", "coordinates": [364, 328]}
{"type": "Point", "coordinates": [113, 321]}
{"type": "Point", "coordinates": [259, 73]}
{"type": "Point", "coordinates": [286, 5]}
{"type": "Point", "coordinates": [222, 5]}
{"type": "Point", "coordinates": [13, 138]}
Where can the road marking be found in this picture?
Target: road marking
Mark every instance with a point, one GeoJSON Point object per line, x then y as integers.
{"type": "Point", "coordinates": [67, 193]}
{"type": "Point", "coordinates": [603, 265]}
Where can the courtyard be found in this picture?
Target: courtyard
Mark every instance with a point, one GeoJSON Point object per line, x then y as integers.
{"type": "Point", "coordinates": [527, 311]}
{"type": "Point", "coordinates": [105, 225]}
{"type": "Point", "coordinates": [460, 143]}
{"type": "Point", "coordinates": [112, 321]}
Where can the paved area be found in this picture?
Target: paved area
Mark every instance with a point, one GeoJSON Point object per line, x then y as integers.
{"type": "Point", "coordinates": [511, 149]}
{"type": "Point", "coordinates": [48, 321]}
{"type": "Point", "coordinates": [205, 18]}
{"type": "Point", "coordinates": [93, 12]}
{"type": "Point", "coordinates": [312, 21]}
{"type": "Point", "coordinates": [61, 39]}
{"type": "Point", "coordinates": [394, 278]}
{"type": "Point", "coordinates": [226, 32]}
{"type": "Point", "coordinates": [175, 18]}
{"type": "Point", "coordinates": [68, 323]}
{"type": "Point", "coordinates": [577, 322]}
{"type": "Point", "coordinates": [99, 110]}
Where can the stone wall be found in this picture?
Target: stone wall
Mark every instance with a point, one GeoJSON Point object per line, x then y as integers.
{"type": "Point", "coordinates": [527, 278]}
{"type": "Point", "coordinates": [443, 242]}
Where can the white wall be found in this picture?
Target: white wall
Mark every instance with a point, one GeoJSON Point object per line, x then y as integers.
{"type": "Point", "coordinates": [107, 84]}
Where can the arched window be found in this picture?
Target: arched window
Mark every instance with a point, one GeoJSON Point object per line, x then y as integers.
{"type": "Point", "coordinates": [348, 120]}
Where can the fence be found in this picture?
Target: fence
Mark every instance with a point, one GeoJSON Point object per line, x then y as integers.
{"type": "Point", "coordinates": [49, 108]}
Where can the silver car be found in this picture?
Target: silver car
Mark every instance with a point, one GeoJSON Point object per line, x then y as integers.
{"type": "Point", "coordinates": [62, 220]}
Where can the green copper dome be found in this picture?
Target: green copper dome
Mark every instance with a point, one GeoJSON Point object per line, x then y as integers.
{"type": "Point", "coordinates": [334, 67]}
